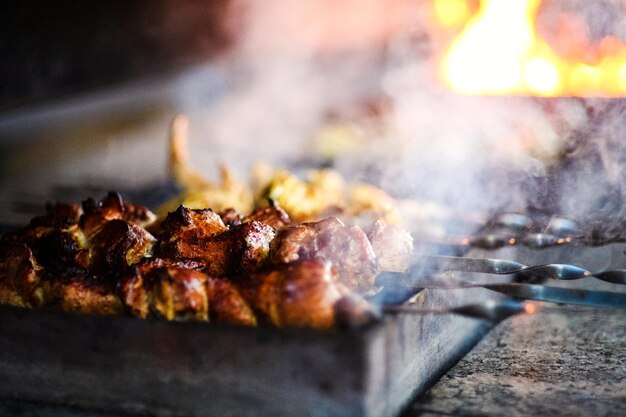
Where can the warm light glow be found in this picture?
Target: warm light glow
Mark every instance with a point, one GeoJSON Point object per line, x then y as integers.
{"type": "Point", "coordinates": [530, 308]}
{"type": "Point", "coordinates": [451, 12]}
{"type": "Point", "coordinates": [542, 77]}
{"type": "Point", "coordinates": [499, 52]}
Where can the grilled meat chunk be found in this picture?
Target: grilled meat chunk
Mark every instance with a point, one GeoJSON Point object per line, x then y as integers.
{"type": "Point", "coordinates": [201, 234]}
{"type": "Point", "coordinates": [231, 217]}
{"type": "Point", "coordinates": [271, 215]}
{"type": "Point", "coordinates": [79, 291]}
{"type": "Point", "coordinates": [54, 238]}
{"type": "Point", "coordinates": [300, 294]}
{"type": "Point", "coordinates": [347, 247]}
{"type": "Point", "coordinates": [24, 283]}
{"type": "Point", "coordinates": [226, 304]}
{"type": "Point", "coordinates": [170, 291]}
{"type": "Point", "coordinates": [98, 260]}
{"type": "Point", "coordinates": [392, 245]}
{"type": "Point", "coordinates": [184, 231]}
{"type": "Point", "coordinates": [113, 207]}
{"type": "Point", "coordinates": [117, 244]}
{"type": "Point", "coordinates": [56, 247]}
{"type": "Point", "coordinates": [177, 290]}
{"type": "Point", "coordinates": [19, 277]}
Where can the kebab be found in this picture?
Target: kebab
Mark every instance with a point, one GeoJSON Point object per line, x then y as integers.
{"type": "Point", "coordinates": [112, 257]}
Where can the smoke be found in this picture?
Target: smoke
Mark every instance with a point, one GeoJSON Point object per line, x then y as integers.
{"type": "Point", "coordinates": [366, 68]}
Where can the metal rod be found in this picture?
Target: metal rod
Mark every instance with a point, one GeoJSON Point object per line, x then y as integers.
{"type": "Point", "coordinates": [489, 310]}
{"type": "Point", "coordinates": [536, 292]}
{"type": "Point", "coordinates": [521, 271]}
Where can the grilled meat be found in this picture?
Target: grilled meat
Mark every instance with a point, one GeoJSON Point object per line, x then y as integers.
{"type": "Point", "coordinates": [100, 259]}
{"type": "Point", "coordinates": [272, 215]}
{"type": "Point", "coordinates": [77, 290]}
{"type": "Point", "coordinates": [299, 294]}
{"type": "Point", "coordinates": [347, 247]}
{"type": "Point", "coordinates": [226, 304]}
{"type": "Point", "coordinates": [202, 234]}
{"type": "Point", "coordinates": [19, 277]}
{"type": "Point", "coordinates": [113, 207]}
{"type": "Point", "coordinates": [165, 289]}
{"type": "Point", "coordinates": [392, 245]}
{"type": "Point", "coordinates": [178, 290]}
{"type": "Point", "coordinates": [117, 244]}
{"type": "Point", "coordinates": [68, 257]}
{"type": "Point", "coordinates": [231, 217]}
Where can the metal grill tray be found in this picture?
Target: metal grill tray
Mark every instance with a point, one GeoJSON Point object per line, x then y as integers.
{"type": "Point", "coordinates": [123, 365]}
{"type": "Point", "coordinates": [131, 366]}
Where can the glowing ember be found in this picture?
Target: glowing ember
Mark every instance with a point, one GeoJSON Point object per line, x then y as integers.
{"type": "Point", "coordinates": [499, 52]}
{"type": "Point", "coordinates": [530, 308]}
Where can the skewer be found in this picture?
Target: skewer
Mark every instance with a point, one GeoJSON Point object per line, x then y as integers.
{"type": "Point", "coordinates": [519, 271]}
{"type": "Point", "coordinates": [607, 299]}
{"type": "Point", "coordinates": [490, 310]}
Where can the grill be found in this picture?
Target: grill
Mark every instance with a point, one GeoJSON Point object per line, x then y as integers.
{"type": "Point", "coordinates": [550, 232]}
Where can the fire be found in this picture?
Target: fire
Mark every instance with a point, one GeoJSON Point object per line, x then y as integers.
{"type": "Point", "coordinates": [499, 52]}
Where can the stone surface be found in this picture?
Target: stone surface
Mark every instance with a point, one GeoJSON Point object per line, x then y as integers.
{"type": "Point", "coordinates": [564, 360]}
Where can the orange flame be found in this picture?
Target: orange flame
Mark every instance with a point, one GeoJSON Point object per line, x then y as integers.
{"type": "Point", "coordinates": [499, 52]}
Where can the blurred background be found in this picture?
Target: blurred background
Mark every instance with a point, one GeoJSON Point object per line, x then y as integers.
{"type": "Point", "coordinates": [413, 95]}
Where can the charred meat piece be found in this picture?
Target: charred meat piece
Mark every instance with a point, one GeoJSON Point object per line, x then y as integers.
{"type": "Point", "coordinates": [113, 207]}
{"type": "Point", "coordinates": [231, 217]}
{"type": "Point", "coordinates": [347, 247]}
{"type": "Point", "coordinates": [79, 291]}
{"type": "Point", "coordinates": [165, 291]}
{"type": "Point", "coordinates": [54, 238]}
{"type": "Point", "coordinates": [226, 304]}
{"type": "Point", "coordinates": [299, 294]}
{"type": "Point", "coordinates": [244, 248]}
{"type": "Point", "coordinates": [19, 277]}
{"type": "Point", "coordinates": [169, 289]}
{"type": "Point", "coordinates": [271, 215]}
{"type": "Point", "coordinates": [118, 244]}
{"type": "Point", "coordinates": [24, 283]}
{"type": "Point", "coordinates": [114, 233]}
{"type": "Point", "coordinates": [59, 215]}
{"type": "Point", "coordinates": [201, 234]}
{"type": "Point", "coordinates": [184, 231]}
{"type": "Point", "coordinates": [392, 245]}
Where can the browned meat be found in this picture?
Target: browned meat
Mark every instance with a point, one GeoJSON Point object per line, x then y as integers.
{"type": "Point", "coordinates": [53, 238]}
{"type": "Point", "coordinates": [353, 311]}
{"type": "Point", "coordinates": [271, 215]}
{"type": "Point", "coordinates": [98, 260]}
{"type": "Point", "coordinates": [19, 277]}
{"type": "Point", "coordinates": [231, 217]}
{"type": "Point", "coordinates": [165, 291]}
{"type": "Point", "coordinates": [24, 283]}
{"type": "Point", "coordinates": [185, 230]}
{"type": "Point", "coordinates": [347, 247]}
{"type": "Point", "coordinates": [300, 294]}
{"type": "Point", "coordinates": [177, 290]}
{"type": "Point", "coordinates": [78, 291]}
{"type": "Point", "coordinates": [226, 304]}
{"type": "Point", "coordinates": [392, 245]}
{"type": "Point", "coordinates": [243, 248]}
{"type": "Point", "coordinates": [54, 246]}
{"type": "Point", "coordinates": [117, 244]}
{"type": "Point", "coordinates": [59, 215]}
{"type": "Point", "coordinates": [112, 207]}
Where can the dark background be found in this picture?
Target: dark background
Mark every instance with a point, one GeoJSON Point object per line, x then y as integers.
{"type": "Point", "coordinates": [52, 48]}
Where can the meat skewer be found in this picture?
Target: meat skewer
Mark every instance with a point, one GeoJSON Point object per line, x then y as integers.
{"type": "Point", "coordinates": [97, 259]}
